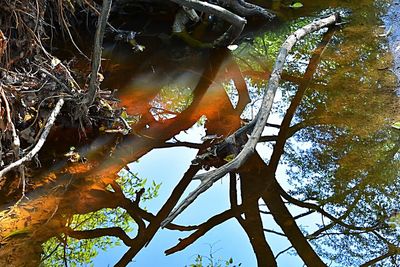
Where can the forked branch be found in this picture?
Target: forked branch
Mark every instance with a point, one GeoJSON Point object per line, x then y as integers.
{"type": "Point", "coordinates": [257, 125]}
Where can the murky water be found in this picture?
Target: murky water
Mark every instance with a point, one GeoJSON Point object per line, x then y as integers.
{"type": "Point", "coordinates": [325, 179]}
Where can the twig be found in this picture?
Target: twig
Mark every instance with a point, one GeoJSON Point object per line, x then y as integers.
{"type": "Point", "coordinates": [258, 124]}
{"type": "Point", "coordinates": [97, 51]}
{"type": "Point", "coordinates": [98, 14]}
{"type": "Point", "coordinates": [283, 251]}
{"type": "Point", "coordinates": [204, 228]}
{"type": "Point", "coordinates": [39, 144]}
{"type": "Point", "coordinates": [54, 78]}
{"type": "Point", "coordinates": [128, 128]}
{"type": "Point", "coordinates": [16, 142]}
{"type": "Point", "coordinates": [274, 232]}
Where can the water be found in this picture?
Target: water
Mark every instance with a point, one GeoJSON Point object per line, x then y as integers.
{"type": "Point", "coordinates": [334, 167]}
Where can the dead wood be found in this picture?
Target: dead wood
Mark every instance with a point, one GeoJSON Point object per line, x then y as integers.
{"type": "Point", "coordinates": [258, 124]}
{"type": "Point", "coordinates": [97, 52]}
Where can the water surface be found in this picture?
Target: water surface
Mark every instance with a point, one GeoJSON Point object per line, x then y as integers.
{"type": "Point", "coordinates": [323, 183]}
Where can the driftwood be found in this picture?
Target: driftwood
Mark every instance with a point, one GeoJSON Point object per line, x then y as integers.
{"type": "Point", "coordinates": [257, 125]}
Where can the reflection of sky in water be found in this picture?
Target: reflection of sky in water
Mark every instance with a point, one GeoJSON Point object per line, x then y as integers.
{"type": "Point", "coordinates": [228, 239]}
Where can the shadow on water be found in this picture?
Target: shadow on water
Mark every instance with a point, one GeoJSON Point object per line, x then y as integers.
{"type": "Point", "coordinates": [335, 143]}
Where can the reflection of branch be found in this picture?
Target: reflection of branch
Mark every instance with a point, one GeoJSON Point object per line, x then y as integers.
{"type": "Point", "coordinates": [51, 253]}
{"type": "Point", "coordinates": [204, 228]}
{"type": "Point", "coordinates": [378, 259]}
{"type": "Point", "coordinates": [392, 251]}
{"type": "Point", "coordinates": [253, 226]}
{"type": "Point", "coordinates": [241, 86]}
{"type": "Point", "coordinates": [283, 251]}
{"type": "Point", "coordinates": [285, 220]}
{"type": "Point", "coordinates": [100, 232]}
{"type": "Point", "coordinates": [317, 208]}
{"type": "Point", "coordinates": [133, 209]}
{"type": "Point", "coordinates": [284, 132]}
{"type": "Point", "coordinates": [179, 144]}
{"type": "Point", "coordinates": [303, 214]}
{"type": "Point", "coordinates": [268, 138]}
{"type": "Point", "coordinates": [258, 124]}
{"type": "Point", "coordinates": [146, 236]}
{"type": "Point", "coordinates": [274, 232]}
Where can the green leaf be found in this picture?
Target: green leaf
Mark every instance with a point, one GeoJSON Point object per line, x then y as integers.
{"type": "Point", "coordinates": [396, 125]}
{"type": "Point", "coordinates": [296, 5]}
{"type": "Point", "coordinates": [229, 158]}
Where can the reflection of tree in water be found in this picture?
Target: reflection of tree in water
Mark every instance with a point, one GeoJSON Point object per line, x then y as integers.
{"type": "Point", "coordinates": [76, 249]}
{"type": "Point", "coordinates": [90, 206]}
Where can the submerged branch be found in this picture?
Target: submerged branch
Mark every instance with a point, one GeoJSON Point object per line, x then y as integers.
{"type": "Point", "coordinates": [258, 124]}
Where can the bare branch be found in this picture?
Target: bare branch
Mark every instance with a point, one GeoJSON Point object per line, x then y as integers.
{"type": "Point", "coordinates": [100, 232]}
{"type": "Point", "coordinates": [258, 124]}
{"type": "Point", "coordinates": [248, 9]}
{"type": "Point", "coordinates": [39, 144]}
{"type": "Point", "coordinates": [236, 21]}
{"type": "Point", "coordinates": [97, 51]}
{"type": "Point", "coordinates": [274, 232]}
{"type": "Point", "coordinates": [204, 228]}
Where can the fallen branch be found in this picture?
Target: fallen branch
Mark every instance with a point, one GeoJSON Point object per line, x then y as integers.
{"type": "Point", "coordinates": [247, 9]}
{"type": "Point", "coordinates": [237, 22]}
{"type": "Point", "coordinates": [39, 144]}
{"type": "Point", "coordinates": [257, 125]}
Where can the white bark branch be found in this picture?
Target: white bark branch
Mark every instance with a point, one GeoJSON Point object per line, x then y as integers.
{"type": "Point", "coordinates": [39, 144]}
{"type": "Point", "coordinates": [209, 178]}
